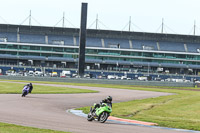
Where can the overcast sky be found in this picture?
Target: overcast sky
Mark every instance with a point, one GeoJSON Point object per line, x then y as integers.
{"type": "Point", "coordinates": [146, 15]}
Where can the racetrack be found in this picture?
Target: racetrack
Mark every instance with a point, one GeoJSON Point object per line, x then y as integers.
{"type": "Point", "coordinates": [48, 111]}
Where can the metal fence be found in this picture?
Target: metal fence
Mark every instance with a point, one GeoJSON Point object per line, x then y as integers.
{"type": "Point", "coordinates": [100, 81]}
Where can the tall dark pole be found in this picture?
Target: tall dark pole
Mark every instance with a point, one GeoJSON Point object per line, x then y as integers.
{"type": "Point", "coordinates": [82, 40]}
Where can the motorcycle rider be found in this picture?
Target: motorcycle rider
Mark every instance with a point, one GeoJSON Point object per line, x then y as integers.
{"type": "Point", "coordinates": [25, 90]}
{"type": "Point", "coordinates": [30, 87]}
{"type": "Point", "coordinates": [108, 100]}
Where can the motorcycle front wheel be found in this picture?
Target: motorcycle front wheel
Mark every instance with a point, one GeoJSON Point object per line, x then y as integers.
{"type": "Point", "coordinates": [103, 117]}
{"type": "Point", "coordinates": [90, 117]}
{"type": "Point", "coordinates": [23, 93]}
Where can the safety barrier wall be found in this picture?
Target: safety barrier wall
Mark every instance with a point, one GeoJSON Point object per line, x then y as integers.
{"type": "Point", "coordinates": [100, 81]}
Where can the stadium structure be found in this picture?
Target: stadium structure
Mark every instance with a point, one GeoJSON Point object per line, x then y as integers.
{"type": "Point", "coordinates": [106, 50]}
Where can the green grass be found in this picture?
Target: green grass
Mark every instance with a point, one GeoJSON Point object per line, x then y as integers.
{"type": "Point", "coordinates": [176, 111]}
{"type": "Point", "coordinates": [11, 128]}
{"type": "Point", "coordinates": [14, 88]}
{"type": "Point", "coordinates": [105, 85]}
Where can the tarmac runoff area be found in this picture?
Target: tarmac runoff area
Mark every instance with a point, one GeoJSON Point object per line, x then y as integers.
{"type": "Point", "coordinates": [48, 111]}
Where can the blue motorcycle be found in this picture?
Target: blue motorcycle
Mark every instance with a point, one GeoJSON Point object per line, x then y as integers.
{"type": "Point", "coordinates": [25, 91]}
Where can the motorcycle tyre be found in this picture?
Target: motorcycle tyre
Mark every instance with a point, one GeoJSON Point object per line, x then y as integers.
{"type": "Point", "coordinates": [24, 94]}
{"type": "Point", "coordinates": [106, 115]}
{"type": "Point", "coordinates": [90, 117]}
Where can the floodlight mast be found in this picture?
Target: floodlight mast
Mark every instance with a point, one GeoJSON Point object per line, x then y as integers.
{"type": "Point", "coordinates": [162, 29]}
{"type": "Point", "coordinates": [63, 20]}
{"type": "Point", "coordinates": [194, 27]}
{"type": "Point", "coordinates": [97, 22]}
{"type": "Point", "coordinates": [30, 19]}
{"type": "Point", "coordinates": [129, 24]}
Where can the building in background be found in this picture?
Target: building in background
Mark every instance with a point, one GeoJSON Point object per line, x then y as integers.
{"type": "Point", "coordinates": [106, 50]}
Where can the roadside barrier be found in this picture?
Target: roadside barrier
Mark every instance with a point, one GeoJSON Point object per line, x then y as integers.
{"type": "Point", "coordinates": [100, 81]}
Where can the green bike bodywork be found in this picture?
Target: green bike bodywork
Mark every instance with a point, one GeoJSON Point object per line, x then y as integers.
{"type": "Point", "coordinates": [100, 113]}
{"type": "Point", "coordinates": [103, 107]}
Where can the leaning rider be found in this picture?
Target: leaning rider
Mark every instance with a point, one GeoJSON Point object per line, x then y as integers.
{"type": "Point", "coordinates": [108, 100]}
{"type": "Point", "coordinates": [30, 87]}
{"type": "Point", "coordinates": [26, 89]}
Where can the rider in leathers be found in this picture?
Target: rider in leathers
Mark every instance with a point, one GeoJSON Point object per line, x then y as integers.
{"type": "Point", "coordinates": [107, 100]}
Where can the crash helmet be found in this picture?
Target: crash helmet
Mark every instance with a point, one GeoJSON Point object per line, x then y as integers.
{"type": "Point", "coordinates": [109, 98]}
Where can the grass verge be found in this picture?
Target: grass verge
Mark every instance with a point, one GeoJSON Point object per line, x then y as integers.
{"type": "Point", "coordinates": [11, 128]}
{"type": "Point", "coordinates": [151, 88]}
{"type": "Point", "coordinates": [14, 88]}
{"type": "Point", "coordinates": [176, 111]}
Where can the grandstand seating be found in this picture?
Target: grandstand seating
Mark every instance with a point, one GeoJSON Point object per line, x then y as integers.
{"type": "Point", "coordinates": [193, 47]}
{"type": "Point", "coordinates": [8, 56]}
{"type": "Point", "coordinates": [142, 63]}
{"type": "Point", "coordinates": [173, 65]}
{"type": "Point", "coordinates": [60, 59]}
{"type": "Point", "coordinates": [68, 40]}
{"type": "Point", "coordinates": [144, 45]}
{"type": "Point", "coordinates": [93, 42]}
{"type": "Point", "coordinates": [114, 42]}
{"type": "Point", "coordinates": [11, 36]}
{"type": "Point", "coordinates": [124, 62]}
{"type": "Point", "coordinates": [172, 46]}
{"type": "Point", "coordinates": [30, 38]}
{"type": "Point", "coordinates": [110, 61]}
{"type": "Point", "coordinates": [93, 60]}
{"type": "Point", "coordinates": [96, 42]}
{"type": "Point", "coordinates": [33, 57]}
{"type": "Point", "coordinates": [194, 66]}
{"type": "Point", "coordinates": [109, 43]}
{"type": "Point", "coordinates": [154, 64]}
{"type": "Point", "coordinates": [117, 62]}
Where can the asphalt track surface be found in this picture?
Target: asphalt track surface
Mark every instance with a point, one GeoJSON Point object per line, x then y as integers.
{"type": "Point", "coordinates": [48, 111]}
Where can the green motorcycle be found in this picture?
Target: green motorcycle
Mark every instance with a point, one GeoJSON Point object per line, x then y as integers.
{"type": "Point", "coordinates": [100, 114]}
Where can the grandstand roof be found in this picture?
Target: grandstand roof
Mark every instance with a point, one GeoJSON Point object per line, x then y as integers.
{"type": "Point", "coordinates": [100, 33]}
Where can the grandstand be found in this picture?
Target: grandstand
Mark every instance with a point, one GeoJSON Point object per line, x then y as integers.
{"type": "Point", "coordinates": [38, 46]}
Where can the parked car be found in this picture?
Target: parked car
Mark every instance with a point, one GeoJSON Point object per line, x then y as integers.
{"type": "Point", "coordinates": [86, 76]}
{"type": "Point", "coordinates": [54, 74]}
{"type": "Point", "coordinates": [65, 74]}
{"type": "Point", "coordinates": [124, 77]}
{"type": "Point", "coordinates": [11, 72]}
{"type": "Point", "coordinates": [112, 77]}
{"type": "Point", "coordinates": [142, 78]}
{"type": "Point", "coordinates": [38, 73]}
{"type": "Point", "coordinates": [31, 73]}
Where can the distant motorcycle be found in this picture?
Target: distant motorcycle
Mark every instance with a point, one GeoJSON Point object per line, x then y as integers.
{"type": "Point", "coordinates": [25, 91]}
{"type": "Point", "coordinates": [100, 114]}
